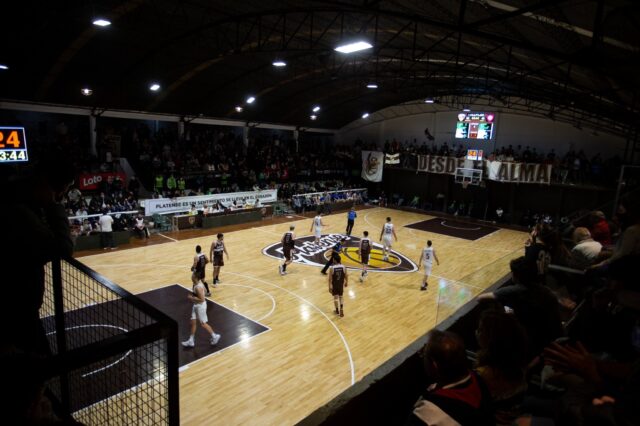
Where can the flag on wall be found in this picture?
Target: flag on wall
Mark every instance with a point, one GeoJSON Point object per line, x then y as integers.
{"type": "Point", "coordinates": [372, 163]}
{"type": "Point", "coordinates": [392, 159]}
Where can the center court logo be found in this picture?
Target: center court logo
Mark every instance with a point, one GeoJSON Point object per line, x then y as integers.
{"type": "Point", "coordinates": [309, 253]}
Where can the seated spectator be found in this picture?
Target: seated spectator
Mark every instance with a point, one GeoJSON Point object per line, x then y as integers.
{"type": "Point", "coordinates": [539, 251]}
{"type": "Point", "coordinates": [535, 306]}
{"type": "Point", "coordinates": [456, 395]}
{"type": "Point", "coordinates": [193, 211]}
{"type": "Point", "coordinates": [599, 228]}
{"type": "Point", "coordinates": [586, 251]}
{"type": "Point", "coordinates": [502, 362]}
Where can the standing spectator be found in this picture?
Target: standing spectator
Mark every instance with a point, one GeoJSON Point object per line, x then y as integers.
{"type": "Point", "coordinates": [134, 186]}
{"type": "Point", "coordinates": [171, 184]}
{"type": "Point", "coordinates": [456, 395]}
{"type": "Point", "coordinates": [182, 184]}
{"type": "Point", "coordinates": [159, 184]}
{"type": "Point", "coordinates": [351, 217]}
{"type": "Point", "coordinates": [106, 231]}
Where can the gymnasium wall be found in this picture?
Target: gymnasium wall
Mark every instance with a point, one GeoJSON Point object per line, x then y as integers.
{"type": "Point", "coordinates": [510, 129]}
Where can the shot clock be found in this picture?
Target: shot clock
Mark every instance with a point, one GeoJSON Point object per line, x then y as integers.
{"type": "Point", "coordinates": [13, 145]}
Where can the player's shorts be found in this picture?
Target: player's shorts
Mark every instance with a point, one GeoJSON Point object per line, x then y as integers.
{"type": "Point", "coordinates": [218, 260]}
{"type": "Point", "coordinates": [287, 253]}
{"type": "Point", "coordinates": [197, 275]}
{"type": "Point", "coordinates": [318, 232]}
{"type": "Point", "coordinates": [364, 258]}
{"type": "Point", "coordinates": [337, 289]}
{"type": "Point", "coordinates": [199, 312]}
{"type": "Point", "coordinates": [427, 269]}
{"type": "Point", "coordinates": [387, 241]}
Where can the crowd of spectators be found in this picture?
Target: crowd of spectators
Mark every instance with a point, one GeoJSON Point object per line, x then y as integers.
{"type": "Point", "coordinates": [558, 345]}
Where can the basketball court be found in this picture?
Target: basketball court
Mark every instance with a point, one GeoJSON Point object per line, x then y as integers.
{"type": "Point", "coordinates": [284, 352]}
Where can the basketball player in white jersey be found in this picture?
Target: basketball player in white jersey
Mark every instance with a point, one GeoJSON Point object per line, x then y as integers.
{"type": "Point", "coordinates": [338, 279]}
{"type": "Point", "coordinates": [428, 256]}
{"type": "Point", "coordinates": [199, 314]}
{"type": "Point", "coordinates": [316, 226]}
{"type": "Point", "coordinates": [365, 251]}
{"type": "Point", "coordinates": [387, 232]}
{"type": "Point", "coordinates": [288, 245]}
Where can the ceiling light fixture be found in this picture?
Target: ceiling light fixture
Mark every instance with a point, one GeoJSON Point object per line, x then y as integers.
{"type": "Point", "coordinates": [353, 47]}
{"type": "Point", "coordinates": [154, 87]}
{"type": "Point", "coordinates": [86, 91]}
{"type": "Point", "coordinates": [3, 67]}
{"type": "Point", "coordinates": [316, 108]}
{"type": "Point", "coordinates": [429, 101]}
{"type": "Point", "coordinates": [101, 22]}
{"type": "Point", "coordinates": [365, 115]}
{"type": "Point", "coordinates": [251, 99]}
{"type": "Point", "coordinates": [279, 64]}
{"type": "Point", "coordinates": [313, 116]}
{"type": "Point", "coordinates": [239, 108]}
{"type": "Point", "coordinates": [372, 86]}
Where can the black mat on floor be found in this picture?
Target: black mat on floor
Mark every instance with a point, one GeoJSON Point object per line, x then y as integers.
{"type": "Point", "coordinates": [454, 228]}
{"type": "Point", "coordinates": [232, 326]}
{"type": "Point", "coordinates": [124, 371]}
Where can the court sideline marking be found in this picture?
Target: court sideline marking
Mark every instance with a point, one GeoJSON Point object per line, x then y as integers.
{"type": "Point", "coordinates": [168, 238]}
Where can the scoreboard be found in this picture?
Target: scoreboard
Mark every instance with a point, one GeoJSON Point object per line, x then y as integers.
{"type": "Point", "coordinates": [13, 145]}
{"type": "Point", "coordinates": [475, 125]}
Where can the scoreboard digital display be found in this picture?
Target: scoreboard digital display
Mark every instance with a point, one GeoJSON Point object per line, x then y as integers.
{"type": "Point", "coordinates": [13, 145]}
{"type": "Point", "coordinates": [475, 125]}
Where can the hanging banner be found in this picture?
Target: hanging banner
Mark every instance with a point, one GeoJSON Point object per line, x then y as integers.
{"type": "Point", "coordinates": [500, 171]}
{"type": "Point", "coordinates": [503, 171]}
{"type": "Point", "coordinates": [372, 163]}
{"type": "Point", "coordinates": [91, 181]}
{"type": "Point", "coordinates": [183, 204]}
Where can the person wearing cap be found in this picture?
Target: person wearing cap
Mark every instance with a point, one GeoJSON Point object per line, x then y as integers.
{"type": "Point", "coordinates": [335, 251]}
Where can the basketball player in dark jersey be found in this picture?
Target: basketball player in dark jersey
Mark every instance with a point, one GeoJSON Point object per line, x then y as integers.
{"type": "Point", "coordinates": [365, 251]}
{"type": "Point", "coordinates": [288, 244]}
{"type": "Point", "coordinates": [217, 249]}
{"type": "Point", "coordinates": [338, 279]}
{"type": "Point", "coordinates": [198, 269]}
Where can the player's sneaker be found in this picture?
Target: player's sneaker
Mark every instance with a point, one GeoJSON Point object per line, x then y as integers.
{"type": "Point", "coordinates": [323, 272]}
{"type": "Point", "coordinates": [215, 339]}
{"type": "Point", "coordinates": [341, 312]}
{"type": "Point", "coordinates": [423, 287]}
{"type": "Point", "coordinates": [189, 343]}
{"type": "Point", "coordinates": [386, 258]}
{"type": "Point", "coordinates": [337, 311]}
{"type": "Point", "coordinates": [361, 278]}
{"type": "Point", "coordinates": [280, 269]}
{"type": "Point", "coordinates": [208, 294]}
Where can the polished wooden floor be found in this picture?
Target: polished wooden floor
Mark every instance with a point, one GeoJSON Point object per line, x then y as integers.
{"type": "Point", "coordinates": [310, 355]}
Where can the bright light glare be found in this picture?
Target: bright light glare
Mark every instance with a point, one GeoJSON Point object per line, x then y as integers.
{"type": "Point", "coordinates": [86, 91]}
{"type": "Point", "coordinates": [428, 101]}
{"type": "Point", "coordinates": [251, 99]}
{"type": "Point", "coordinates": [238, 108]}
{"type": "Point", "coordinates": [279, 64]}
{"type": "Point", "coordinates": [466, 110]}
{"type": "Point", "coordinates": [316, 108]}
{"type": "Point", "coordinates": [154, 87]}
{"type": "Point", "coordinates": [100, 22]}
{"type": "Point", "coordinates": [313, 116]}
{"type": "Point", "coordinates": [353, 47]}
{"type": "Point", "coordinates": [372, 86]}
{"type": "Point", "coordinates": [365, 115]}
{"type": "Point", "coordinates": [3, 67]}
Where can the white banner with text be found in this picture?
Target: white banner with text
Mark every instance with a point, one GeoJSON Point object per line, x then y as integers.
{"type": "Point", "coordinates": [183, 204]}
